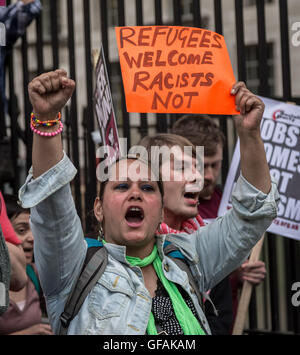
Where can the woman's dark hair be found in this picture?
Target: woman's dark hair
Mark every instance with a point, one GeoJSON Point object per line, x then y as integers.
{"type": "Point", "coordinates": [12, 206]}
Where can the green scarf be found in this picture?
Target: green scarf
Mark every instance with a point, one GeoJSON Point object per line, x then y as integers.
{"type": "Point", "coordinates": [32, 275]}
{"type": "Point", "coordinates": [184, 315]}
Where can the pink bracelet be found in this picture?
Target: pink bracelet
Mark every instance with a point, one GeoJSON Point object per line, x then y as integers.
{"type": "Point", "coordinates": [48, 134]}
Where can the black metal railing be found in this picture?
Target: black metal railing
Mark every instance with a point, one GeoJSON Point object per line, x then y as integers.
{"type": "Point", "coordinates": [80, 124]}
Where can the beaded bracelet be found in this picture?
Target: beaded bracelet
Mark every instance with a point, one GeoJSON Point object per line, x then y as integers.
{"type": "Point", "coordinates": [37, 123]}
{"type": "Point", "coordinates": [48, 134]}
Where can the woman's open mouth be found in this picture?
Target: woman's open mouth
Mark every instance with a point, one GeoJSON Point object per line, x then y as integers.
{"type": "Point", "coordinates": [134, 216]}
{"type": "Point", "coordinates": [28, 253]}
{"type": "Point", "coordinates": [191, 197]}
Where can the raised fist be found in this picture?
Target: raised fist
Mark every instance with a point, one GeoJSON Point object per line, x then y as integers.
{"type": "Point", "coordinates": [49, 93]}
{"type": "Point", "coordinates": [250, 106]}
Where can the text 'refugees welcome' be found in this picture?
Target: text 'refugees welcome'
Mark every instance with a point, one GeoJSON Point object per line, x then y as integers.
{"type": "Point", "coordinates": [167, 68]}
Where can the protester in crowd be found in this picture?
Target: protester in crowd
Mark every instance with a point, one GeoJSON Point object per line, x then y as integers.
{"type": "Point", "coordinates": [24, 314]}
{"type": "Point", "coordinates": [20, 219]}
{"type": "Point", "coordinates": [18, 277]}
{"type": "Point", "coordinates": [130, 211]}
{"type": "Point", "coordinates": [181, 215]}
{"type": "Point", "coordinates": [202, 130]}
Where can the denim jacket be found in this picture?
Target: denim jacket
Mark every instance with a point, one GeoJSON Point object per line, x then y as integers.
{"type": "Point", "coordinates": [120, 303]}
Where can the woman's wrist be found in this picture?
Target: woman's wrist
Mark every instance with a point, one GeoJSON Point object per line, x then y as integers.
{"type": "Point", "coordinates": [46, 116]}
{"type": "Point", "coordinates": [249, 135]}
{"type": "Point", "coordinates": [48, 128]}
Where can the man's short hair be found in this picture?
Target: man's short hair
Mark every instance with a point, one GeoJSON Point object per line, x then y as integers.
{"type": "Point", "coordinates": [166, 139]}
{"type": "Point", "coordinates": [201, 130]}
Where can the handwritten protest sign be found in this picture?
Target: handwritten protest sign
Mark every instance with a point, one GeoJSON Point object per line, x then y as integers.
{"type": "Point", "coordinates": [170, 69]}
{"type": "Point", "coordinates": [280, 131]}
{"type": "Point", "coordinates": [105, 112]}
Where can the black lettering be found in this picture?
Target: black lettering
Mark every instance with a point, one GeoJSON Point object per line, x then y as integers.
{"type": "Point", "coordinates": [184, 78]}
{"type": "Point", "coordinates": [158, 31]}
{"type": "Point", "coordinates": [182, 58]}
{"type": "Point", "coordinates": [183, 39]}
{"type": "Point", "coordinates": [131, 61]}
{"type": "Point", "coordinates": [205, 41]}
{"type": "Point", "coordinates": [168, 77]}
{"type": "Point", "coordinates": [193, 59]}
{"type": "Point", "coordinates": [170, 58]}
{"type": "Point", "coordinates": [207, 58]}
{"type": "Point", "coordinates": [157, 81]}
{"type": "Point", "coordinates": [217, 38]}
{"type": "Point", "coordinates": [179, 99]}
{"type": "Point", "coordinates": [197, 77]}
{"type": "Point", "coordinates": [193, 39]}
{"type": "Point", "coordinates": [208, 77]}
{"type": "Point", "coordinates": [177, 81]}
{"type": "Point", "coordinates": [138, 78]}
{"type": "Point", "coordinates": [157, 61]}
{"type": "Point", "coordinates": [169, 43]}
{"type": "Point", "coordinates": [157, 98]}
{"type": "Point", "coordinates": [148, 59]}
{"type": "Point", "coordinates": [143, 37]}
{"type": "Point", "coordinates": [190, 95]}
{"type": "Point", "coordinates": [126, 38]}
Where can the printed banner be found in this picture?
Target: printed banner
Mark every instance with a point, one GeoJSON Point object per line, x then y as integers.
{"type": "Point", "coordinates": [171, 69]}
{"type": "Point", "coordinates": [2, 2]}
{"type": "Point", "coordinates": [280, 130]}
{"type": "Point", "coordinates": [105, 112]}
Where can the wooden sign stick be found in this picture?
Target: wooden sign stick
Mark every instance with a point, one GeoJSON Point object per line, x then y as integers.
{"type": "Point", "coordinates": [246, 293]}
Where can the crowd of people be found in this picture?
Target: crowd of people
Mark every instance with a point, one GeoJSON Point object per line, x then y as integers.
{"type": "Point", "coordinates": [143, 289]}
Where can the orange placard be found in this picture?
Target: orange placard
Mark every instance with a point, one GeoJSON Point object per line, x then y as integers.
{"type": "Point", "coordinates": [171, 69]}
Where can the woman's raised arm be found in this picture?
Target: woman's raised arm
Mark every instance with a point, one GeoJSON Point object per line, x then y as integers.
{"type": "Point", "coordinates": [48, 94]}
{"type": "Point", "coordinates": [254, 164]}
